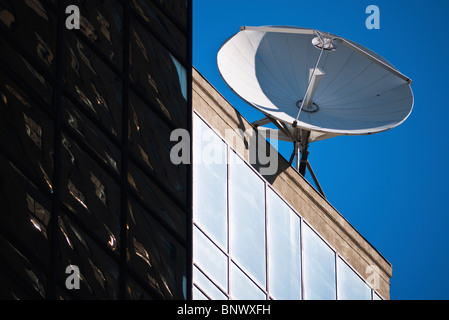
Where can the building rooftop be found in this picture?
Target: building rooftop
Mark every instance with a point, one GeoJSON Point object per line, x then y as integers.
{"type": "Point", "coordinates": [350, 245]}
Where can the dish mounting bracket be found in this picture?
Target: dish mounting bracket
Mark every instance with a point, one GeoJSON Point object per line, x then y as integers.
{"type": "Point", "coordinates": [299, 137]}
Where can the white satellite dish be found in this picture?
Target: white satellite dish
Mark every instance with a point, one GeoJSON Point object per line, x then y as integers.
{"type": "Point", "coordinates": [313, 85]}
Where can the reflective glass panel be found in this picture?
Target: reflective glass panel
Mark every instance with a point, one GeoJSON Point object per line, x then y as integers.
{"type": "Point", "coordinates": [207, 286]}
{"type": "Point", "coordinates": [34, 23]}
{"type": "Point", "coordinates": [26, 274]}
{"type": "Point", "coordinates": [319, 267]}
{"type": "Point", "coordinates": [24, 211]}
{"type": "Point", "coordinates": [210, 182]}
{"type": "Point", "coordinates": [26, 131]}
{"type": "Point", "coordinates": [284, 254]}
{"type": "Point", "coordinates": [177, 10]}
{"type": "Point", "coordinates": [350, 285]}
{"type": "Point", "coordinates": [197, 294]}
{"type": "Point", "coordinates": [101, 23]}
{"type": "Point", "coordinates": [161, 25]}
{"type": "Point", "coordinates": [90, 193]}
{"type": "Point", "coordinates": [134, 291]}
{"type": "Point", "coordinates": [182, 76]}
{"type": "Point", "coordinates": [92, 136]}
{"type": "Point", "coordinates": [247, 219]}
{"type": "Point", "coordinates": [156, 199]}
{"type": "Point", "coordinates": [155, 255]}
{"type": "Point", "coordinates": [157, 76]}
{"type": "Point", "coordinates": [99, 274]}
{"type": "Point", "coordinates": [149, 141]}
{"type": "Point", "coordinates": [210, 259]}
{"type": "Point", "coordinates": [28, 73]}
{"type": "Point", "coordinates": [93, 84]}
{"type": "Point", "coordinates": [242, 288]}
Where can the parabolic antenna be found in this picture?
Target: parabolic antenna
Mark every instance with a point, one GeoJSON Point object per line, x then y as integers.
{"type": "Point", "coordinates": [313, 85]}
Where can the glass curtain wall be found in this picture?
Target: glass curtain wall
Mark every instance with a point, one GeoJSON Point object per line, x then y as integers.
{"type": "Point", "coordinates": [248, 243]}
{"type": "Point", "coordinates": [85, 122]}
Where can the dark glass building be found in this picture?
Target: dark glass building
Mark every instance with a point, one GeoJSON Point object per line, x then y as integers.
{"type": "Point", "coordinates": [85, 173]}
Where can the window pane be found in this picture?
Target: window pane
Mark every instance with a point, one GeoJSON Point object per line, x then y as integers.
{"type": "Point", "coordinates": [161, 25]}
{"type": "Point", "coordinates": [23, 274]}
{"type": "Point", "coordinates": [198, 295]}
{"type": "Point", "coordinates": [25, 211]}
{"type": "Point", "coordinates": [28, 133]}
{"type": "Point", "coordinates": [156, 199]}
{"type": "Point", "coordinates": [99, 273]}
{"type": "Point", "coordinates": [207, 286]}
{"type": "Point", "coordinates": [34, 23]}
{"type": "Point", "coordinates": [242, 288]}
{"type": "Point", "coordinates": [247, 219]}
{"type": "Point", "coordinates": [101, 23]}
{"type": "Point", "coordinates": [135, 291]}
{"type": "Point", "coordinates": [284, 254]}
{"type": "Point", "coordinates": [90, 193]}
{"type": "Point", "coordinates": [319, 267]}
{"type": "Point", "coordinates": [92, 136]}
{"type": "Point", "coordinates": [210, 259]}
{"type": "Point", "coordinates": [96, 87]}
{"type": "Point", "coordinates": [210, 182]}
{"type": "Point", "coordinates": [154, 254]}
{"type": "Point", "coordinates": [182, 76]}
{"type": "Point", "coordinates": [350, 285]}
{"type": "Point", "coordinates": [156, 76]}
{"type": "Point", "coordinates": [149, 142]}
{"type": "Point", "coordinates": [23, 69]}
{"type": "Point", "coordinates": [177, 10]}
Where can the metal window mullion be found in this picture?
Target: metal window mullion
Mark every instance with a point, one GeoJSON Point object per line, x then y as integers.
{"type": "Point", "coordinates": [200, 290]}
{"type": "Point", "coordinates": [228, 177]}
{"type": "Point", "coordinates": [124, 154]}
{"type": "Point", "coordinates": [249, 277]}
{"type": "Point", "coordinates": [211, 280]}
{"type": "Point", "coordinates": [266, 244]}
{"type": "Point", "coordinates": [301, 246]}
{"type": "Point", "coordinates": [57, 92]}
{"type": "Point", "coordinates": [336, 274]}
{"type": "Point", "coordinates": [189, 226]}
{"type": "Point", "coordinates": [222, 250]}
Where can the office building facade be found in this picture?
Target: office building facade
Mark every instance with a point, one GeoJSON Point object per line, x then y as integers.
{"type": "Point", "coordinates": [88, 191]}
{"type": "Point", "coordinates": [267, 235]}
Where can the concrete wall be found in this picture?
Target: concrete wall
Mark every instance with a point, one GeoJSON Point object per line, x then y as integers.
{"type": "Point", "coordinates": [316, 210]}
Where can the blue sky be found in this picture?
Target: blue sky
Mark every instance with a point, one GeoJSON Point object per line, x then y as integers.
{"type": "Point", "coordinates": [392, 186]}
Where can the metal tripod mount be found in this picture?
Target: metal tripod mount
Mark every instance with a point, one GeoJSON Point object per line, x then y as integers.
{"type": "Point", "coordinates": [300, 139]}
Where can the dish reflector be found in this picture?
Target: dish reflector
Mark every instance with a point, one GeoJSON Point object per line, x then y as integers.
{"type": "Point", "coordinates": [352, 90]}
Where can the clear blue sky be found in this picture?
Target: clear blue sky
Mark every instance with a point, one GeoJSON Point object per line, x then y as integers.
{"type": "Point", "coordinates": [394, 186]}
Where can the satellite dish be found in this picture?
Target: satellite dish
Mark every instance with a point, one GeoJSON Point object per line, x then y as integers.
{"type": "Point", "coordinates": [313, 85]}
